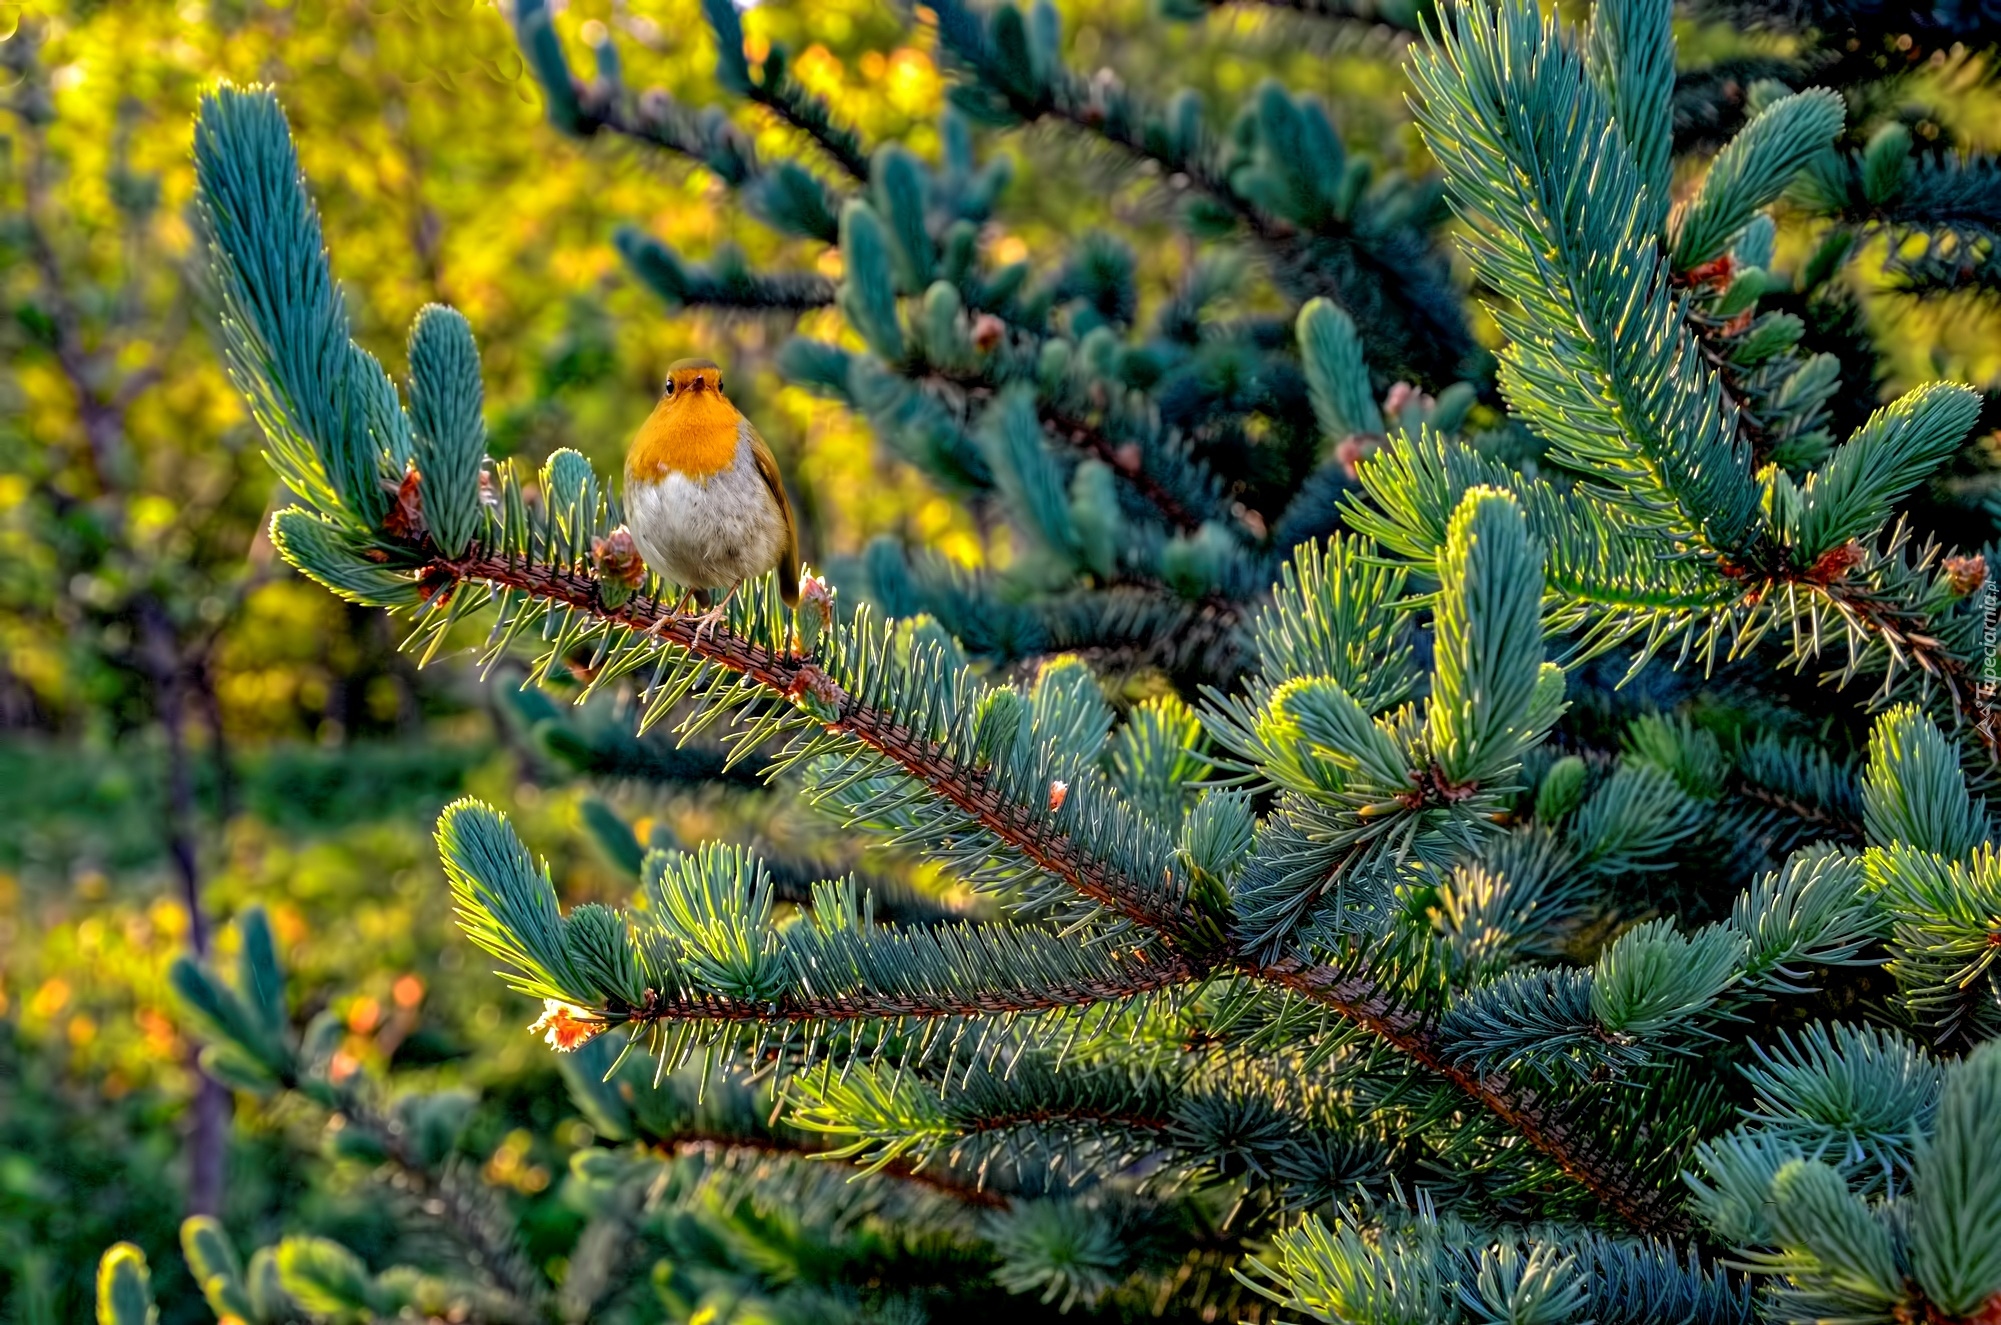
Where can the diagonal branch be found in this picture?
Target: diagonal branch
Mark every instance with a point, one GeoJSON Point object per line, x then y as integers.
{"type": "Point", "coordinates": [1186, 933]}
{"type": "Point", "coordinates": [1144, 976]}
{"type": "Point", "coordinates": [1399, 20]}
{"type": "Point", "coordinates": [969, 789]}
{"type": "Point", "coordinates": [932, 1179]}
{"type": "Point", "coordinates": [838, 141]}
{"type": "Point", "coordinates": [1581, 1156]}
{"type": "Point", "coordinates": [1126, 459]}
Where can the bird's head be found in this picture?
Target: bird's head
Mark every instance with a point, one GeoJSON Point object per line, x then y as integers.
{"type": "Point", "coordinates": [693, 430]}
{"type": "Point", "coordinates": [690, 376]}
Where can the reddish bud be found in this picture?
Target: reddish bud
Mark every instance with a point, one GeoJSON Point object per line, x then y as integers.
{"type": "Point", "coordinates": [1834, 563]}
{"type": "Point", "coordinates": [616, 558]}
{"type": "Point", "coordinates": [406, 514]}
{"type": "Point", "coordinates": [566, 1026]}
{"type": "Point", "coordinates": [1717, 272]}
{"type": "Point", "coordinates": [814, 615]}
{"type": "Point", "coordinates": [1351, 451]}
{"type": "Point", "coordinates": [1402, 396]}
{"type": "Point", "coordinates": [1966, 574]}
{"type": "Point", "coordinates": [1059, 791]}
{"type": "Point", "coordinates": [987, 332]}
{"type": "Point", "coordinates": [816, 594]}
{"type": "Point", "coordinates": [815, 690]}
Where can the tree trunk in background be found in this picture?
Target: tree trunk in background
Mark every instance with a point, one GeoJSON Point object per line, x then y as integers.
{"type": "Point", "coordinates": [209, 1117]}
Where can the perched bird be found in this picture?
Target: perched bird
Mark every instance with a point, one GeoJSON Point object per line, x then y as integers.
{"type": "Point", "coordinates": [703, 500]}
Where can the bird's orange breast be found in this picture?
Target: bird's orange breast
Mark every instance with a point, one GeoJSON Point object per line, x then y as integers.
{"type": "Point", "coordinates": [693, 433]}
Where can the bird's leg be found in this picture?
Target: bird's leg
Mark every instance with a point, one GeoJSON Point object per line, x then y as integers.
{"type": "Point", "coordinates": [709, 620]}
{"type": "Point", "coordinates": [687, 600]}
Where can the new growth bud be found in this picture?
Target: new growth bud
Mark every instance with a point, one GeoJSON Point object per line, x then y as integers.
{"type": "Point", "coordinates": [1966, 574]}
{"type": "Point", "coordinates": [619, 567]}
{"type": "Point", "coordinates": [565, 1026]}
{"type": "Point", "coordinates": [815, 612]}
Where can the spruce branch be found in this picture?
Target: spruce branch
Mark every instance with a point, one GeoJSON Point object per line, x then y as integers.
{"type": "Point", "coordinates": [1025, 791]}
{"type": "Point", "coordinates": [1089, 438]}
{"type": "Point", "coordinates": [253, 1047]}
{"type": "Point", "coordinates": [776, 90]}
{"type": "Point", "coordinates": [1581, 1156]}
{"type": "Point", "coordinates": [1886, 185]}
{"type": "Point", "coordinates": [469, 1212]}
{"type": "Point", "coordinates": [1127, 457]}
{"type": "Point", "coordinates": [1144, 976]}
{"type": "Point", "coordinates": [1891, 608]}
{"type": "Point", "coordinates": [790, 677]}
{"type": "Point", "coordinates": [785, 195]}
{"type": "Point", "coordinates": [1301, 212]}
{"type": "Point", "coordinates": [1599, 358]}
{"type": "Point", "coordinates": [976, 1195]}
{"type": "Point", "coordinates": [1195, 949]}
{"type": "Point", "coordinates": [1404, 17]}
{"type": "Point", "coordinates": [725, 281]}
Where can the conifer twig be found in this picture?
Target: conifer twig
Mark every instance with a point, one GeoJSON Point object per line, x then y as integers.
{"type": "Point", "coordinates": [1581, 1156]}
{"type": "Point", "coordinates": [1146, 975]}
{"type": "Point", "coordinates": [446, 1200]}
{"type": "Point", "coordinates": [837, 141]}
{"type": "Point", "coordinates": [1127, 461]}
{"type": "Point", "coordinates": [1397, 18]}
{"type": "Point", "coordinates": [709, 1143]}
{"type": "Point", "coordinates": [1193, 949]}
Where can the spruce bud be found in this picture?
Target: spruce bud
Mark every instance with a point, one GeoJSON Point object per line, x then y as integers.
{"type": "Point", "coordinates": [815, 612]}
{"type": "Point", "coordinates": [1562, 789]}
{"type": "Point", "coordinates": [997, 724]}
{"type": "Point", "coordinates": [619, 567]}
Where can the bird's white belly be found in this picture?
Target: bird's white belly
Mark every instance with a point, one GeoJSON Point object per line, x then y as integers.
{"type": "Point", "coordinates": [711, 533]}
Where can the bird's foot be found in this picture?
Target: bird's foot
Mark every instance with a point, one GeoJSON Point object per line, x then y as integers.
{"type": "Point", "coordinates": [706, 623]}
{"type": "Point", "coordinates": [659, 627]}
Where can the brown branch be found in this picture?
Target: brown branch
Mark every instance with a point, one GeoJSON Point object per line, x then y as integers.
{"type": "Point", "coordinates": [970, 790]}
{"type": "Point", "coordinates": [1188, 934]}
{"type": "Point", "coordinates": [443, 1198]}
{"type": "Point", "coordinates": [1146, 975]}
{"type": "Point", "coordinates": [1803, 810]}
{"type": "Point", "coordinates": [1000, 1122]}
{"type": "Point", "coordinates": [1294, 253]}
{"type": "Point", "coordinates": [842, 145]}
{"type": "Point", "coordinates": [1907, 634]}
{"type": "Point", "coordinates": [1125, 459]}
{"type": "Point", "coordinates": [712, 1143]}
{"type": "Point", "coordinates": [1580, 1155]}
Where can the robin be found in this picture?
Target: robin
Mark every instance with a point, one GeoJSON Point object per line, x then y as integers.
{"type": "Point", "coordinates": [703, 500]}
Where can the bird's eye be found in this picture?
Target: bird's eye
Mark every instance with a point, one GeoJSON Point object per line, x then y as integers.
{"type": "Point", "coordinates": [670, 389]}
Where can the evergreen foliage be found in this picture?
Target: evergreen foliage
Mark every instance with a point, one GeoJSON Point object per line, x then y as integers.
{"type": "Point", "coordinates": [1156, 476]}
{"type": "Point", "coordinates": [1573, 896]}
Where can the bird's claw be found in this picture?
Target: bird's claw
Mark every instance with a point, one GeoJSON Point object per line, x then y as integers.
{"type": "Point", "coordinates": [658, 630]}
{"type": "Point", "coordinates": [706, 623]}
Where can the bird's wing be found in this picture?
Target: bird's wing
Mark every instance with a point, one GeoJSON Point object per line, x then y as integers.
{"type": "Point", "coordinates": [788, 556]}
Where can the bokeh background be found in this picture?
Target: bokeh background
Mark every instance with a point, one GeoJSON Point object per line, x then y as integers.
{"type": "Point", "coordinates": [180, 715]}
